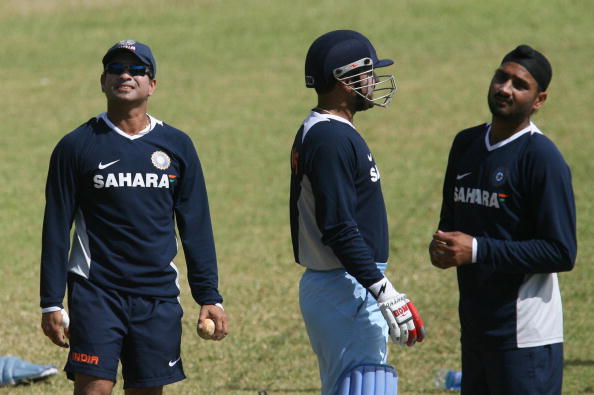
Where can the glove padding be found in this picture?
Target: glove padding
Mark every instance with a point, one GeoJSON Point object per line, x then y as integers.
{"type": "Point", "coordinates": [406, 326]}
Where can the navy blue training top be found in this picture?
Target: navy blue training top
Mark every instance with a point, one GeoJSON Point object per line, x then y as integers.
{"type": "Point", "coordinates": [337, 211]}
{"type": "Point", "coordinates": [125, 194]}
{"type": "Point", "coordinates": [516, 199]}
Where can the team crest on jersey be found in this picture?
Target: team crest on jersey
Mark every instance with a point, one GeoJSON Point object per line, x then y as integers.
{"type": "Point", "coordinates": [160, 160]}
{"type": "Point", "coordinates": [499, 176]}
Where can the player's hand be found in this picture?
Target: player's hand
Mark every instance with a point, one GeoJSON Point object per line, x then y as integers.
{"type": "Point", "coordinates": [219, 317]}
{"type": "Point", "coordinates": [406, 325]}
{"type": "Point", "coordinates": [437, 254]}
{"type": "Point", "coordinates": [51, 324]}
{"type": "Point", "coordinates": [450, 249]}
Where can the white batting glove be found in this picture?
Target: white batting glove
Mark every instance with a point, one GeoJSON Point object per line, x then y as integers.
{"type": "Point", "coordinates": [406, 326]}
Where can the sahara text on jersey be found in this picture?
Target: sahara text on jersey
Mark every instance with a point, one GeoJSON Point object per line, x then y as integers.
{"type": "Point", "coordinates": [476, 196]}
{"type": "Point", "coordinates": [148, 180]}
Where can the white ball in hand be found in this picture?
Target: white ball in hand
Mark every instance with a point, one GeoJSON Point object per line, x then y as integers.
{"type": "Point", "coordinates": [207, 330]}
{"type": "Point", "coordinates": [65, 319]}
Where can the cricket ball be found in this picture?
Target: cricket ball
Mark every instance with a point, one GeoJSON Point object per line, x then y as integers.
{"type": "Point", "coordinates": [207, 330]}
{"type": "Point", "coordinates": [65, 319]}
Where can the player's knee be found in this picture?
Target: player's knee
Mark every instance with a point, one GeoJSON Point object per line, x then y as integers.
{"type": "Point", "coordinates": [86, 384]}
{"type": "Point", "coordinates": [369, 380]}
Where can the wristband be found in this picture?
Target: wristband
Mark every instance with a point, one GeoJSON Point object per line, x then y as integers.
{"type": "Point", "coordinates": [383, 290]}
{"type": "Point", "coordinates": [50, 309]}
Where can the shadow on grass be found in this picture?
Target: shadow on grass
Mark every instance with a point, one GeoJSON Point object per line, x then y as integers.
{"type": "Point", "coordinates": [578, 362]}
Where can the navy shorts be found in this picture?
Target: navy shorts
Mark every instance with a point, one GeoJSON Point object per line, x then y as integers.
{"type": "Point", "coordinates": [522, 371]}
{"type": "Point", "coordinates": [107, 326]}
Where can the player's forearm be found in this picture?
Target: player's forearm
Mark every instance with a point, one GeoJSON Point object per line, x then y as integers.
{"type": "Point", "coordinates": [203, 275]}
{"type": "Point", "coordinates": [54, 258]}
{"type": "Point", "coordinates": [203, 280]}
{"type": "Point", "coordinates": [52, 285]}
{"type": "Point", "coordinates": [528, 256]}
{"type": "Point", "coordinates": [201, 261]}
{"type": "Point", "coordinates": [355, 256]}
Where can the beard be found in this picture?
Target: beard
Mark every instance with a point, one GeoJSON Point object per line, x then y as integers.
{"type": "Point", "coordinates": [510, 112]}
{"type": "Point", "coordinates": [512, 109]}
{"type": "Point", "coordinates": [364, 103]}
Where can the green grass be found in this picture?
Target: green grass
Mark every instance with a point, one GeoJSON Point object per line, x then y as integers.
{"type": "Point", "coordinates": [230, 73]}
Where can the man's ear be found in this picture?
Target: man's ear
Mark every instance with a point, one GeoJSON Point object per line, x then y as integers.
{"type": "Point", "coordinates": [152, 86]}
{"type": "Point", "coordinates": [102, 81]}
{"type": "Point", "coordinates": [541, 97]}
{"type": "Point", "coordinates": [344, 85]}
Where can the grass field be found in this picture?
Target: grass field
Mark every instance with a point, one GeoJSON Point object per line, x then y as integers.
{"type": "Point", "coordinates": [230, 73]}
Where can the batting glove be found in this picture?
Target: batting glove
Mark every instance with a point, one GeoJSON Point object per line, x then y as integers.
{"type": "Point", "coordinates": [405, 323]}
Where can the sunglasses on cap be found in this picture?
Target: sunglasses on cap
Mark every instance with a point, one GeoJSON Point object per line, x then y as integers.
{"type": "Point", "coordinates": [135, 70]}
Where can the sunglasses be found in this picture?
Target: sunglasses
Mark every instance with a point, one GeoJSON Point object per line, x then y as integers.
{"type": "Point", "coordinates": [135, 70]}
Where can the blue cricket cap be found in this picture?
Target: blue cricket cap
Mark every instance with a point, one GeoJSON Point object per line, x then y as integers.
{"type": "Point", "coordinates": [337, 49]}
{"type": "Point", "coordinates": [140, 50]}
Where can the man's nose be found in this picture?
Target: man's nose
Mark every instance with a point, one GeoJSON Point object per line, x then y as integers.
{"type": "Point", "coordinates": [505, 87]}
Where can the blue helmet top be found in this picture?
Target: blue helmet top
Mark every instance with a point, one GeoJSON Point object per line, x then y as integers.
{"type": "Point", "coordinates": [336, 49]}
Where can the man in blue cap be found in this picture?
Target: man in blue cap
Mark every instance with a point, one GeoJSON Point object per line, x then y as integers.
{"type": "Point", "coordinates": [125, 178]}
{"type": "Point", "coordinates": [508, 225]}
{"type": "Point", "coordinates": [339, 224]}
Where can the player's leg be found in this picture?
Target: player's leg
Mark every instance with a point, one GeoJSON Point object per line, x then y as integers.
{"type": "Point", "coordinates": [526, 371]}
{"type": "Point", "coordinates": [151, 355]}
{"type": "Point", "coordinates": [344, 324]}
{"type": "Point", "coordinates": [369, 379]}
{"type": "Point", "coordinates": [96, 334]}
{"type": "Point", "coordinates": [144, 391]}
{"type": "Point", "coordinates": [87, 385]}
{"type": "Point", "coordinates": [474, 380]}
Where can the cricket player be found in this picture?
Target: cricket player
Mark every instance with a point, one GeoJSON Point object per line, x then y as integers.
{"type": "Point", "coordinates": [339, 224]}
{"type": "Point", "coordinates": [124, 178]}
{"type": "Point", "coordinates": [508, 225]}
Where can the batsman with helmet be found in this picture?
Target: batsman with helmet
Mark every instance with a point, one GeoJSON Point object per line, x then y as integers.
{"type": "Point", "coordinates": [339, 224]}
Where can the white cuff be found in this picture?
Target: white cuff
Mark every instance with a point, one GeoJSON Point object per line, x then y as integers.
{"type": "Point", "coordinates": [50, 309]}
{"type": "Point", "coordinates": [220, 305]}
{"type": "Point", "coordinates": [383, 290]}
{"type": "Point", "coordinates": [474, 249]}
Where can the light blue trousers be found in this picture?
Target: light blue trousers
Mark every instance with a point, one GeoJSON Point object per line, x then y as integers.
{"type": "Point", "coordinates": [345, 326]}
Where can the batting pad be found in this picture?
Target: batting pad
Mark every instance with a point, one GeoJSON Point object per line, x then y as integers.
{"type": "Point", "coordinates": [369, 380]}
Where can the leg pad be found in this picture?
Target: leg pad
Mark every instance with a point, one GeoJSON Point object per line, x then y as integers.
{"type": "Point", "coordinates": [369, 380]}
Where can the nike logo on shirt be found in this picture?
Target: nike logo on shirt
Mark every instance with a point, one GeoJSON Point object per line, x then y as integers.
{"type": "Point", "coordinates": [172, 363]}
{"type": "Point", "coordinates": [103, 166]}
{"type": "Point", "coordinates": [461, 176]}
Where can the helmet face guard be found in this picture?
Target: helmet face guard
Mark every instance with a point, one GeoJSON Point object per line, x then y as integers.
{"type": "Point", "coordinates": [366, 83]}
